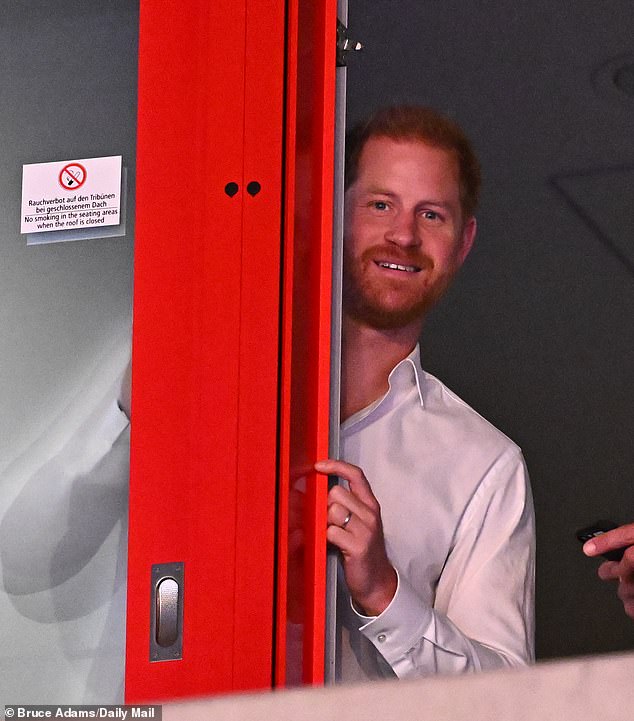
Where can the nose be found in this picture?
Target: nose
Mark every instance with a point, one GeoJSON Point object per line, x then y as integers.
{"type": "Point", "coordinates": [403, 230]}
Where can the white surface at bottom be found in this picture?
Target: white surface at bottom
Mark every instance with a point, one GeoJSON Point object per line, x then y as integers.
{"type": "Point", "coordinates": [588, 689]}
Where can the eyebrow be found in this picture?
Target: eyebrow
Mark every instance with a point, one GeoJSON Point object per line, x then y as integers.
{"type": "Point", "coordinates": [377, 190]}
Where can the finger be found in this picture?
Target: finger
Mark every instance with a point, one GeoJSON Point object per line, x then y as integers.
{"type": "Point", "coordinates": [344, 539]}
{"type": "Point", "coordinates": [610, 541]}
{"type": "Point", "coordinates": [609, 571]}
{"type": "Point", "coordinates": [626, 591]}
{"type": "Point", "coordinates": [344, 497]}
{"type": "Point", "coordinates": [339, 515]}
{"type": "Point", "coordinates": [627, 563]}
{"type": "Point", "coordinates": [629, 608]}
{"type": "Point", "coordinates": [357, 481]}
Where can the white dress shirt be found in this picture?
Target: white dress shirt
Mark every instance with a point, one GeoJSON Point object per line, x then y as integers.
{"type": "Point", "coordinates": [459, 529]}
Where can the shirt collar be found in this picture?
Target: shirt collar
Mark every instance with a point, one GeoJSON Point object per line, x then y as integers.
{"type": "Point", "coordinates": [402, 377]}
{"type": "Point", "coordinates": [407, 372]}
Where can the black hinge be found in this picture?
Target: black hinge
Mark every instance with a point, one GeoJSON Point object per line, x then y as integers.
{"type": "Point", "coordinates": [344, 44]}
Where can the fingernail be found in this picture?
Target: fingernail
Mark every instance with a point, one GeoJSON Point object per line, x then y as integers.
{"type": "Point", "coordinates": [590, 548]}
{"type": "Point", "coordinates": [321, 465]}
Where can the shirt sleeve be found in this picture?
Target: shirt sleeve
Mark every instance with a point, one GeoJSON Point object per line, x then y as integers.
{"type": "Point", "coordinates": [483, 613]}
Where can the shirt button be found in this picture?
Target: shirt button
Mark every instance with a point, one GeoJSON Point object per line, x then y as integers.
{"type": "Point", "coordinates": [381, 637]}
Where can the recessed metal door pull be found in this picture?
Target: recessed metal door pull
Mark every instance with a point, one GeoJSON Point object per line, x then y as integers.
{"type": "Point", "coordinates": [167, 612]}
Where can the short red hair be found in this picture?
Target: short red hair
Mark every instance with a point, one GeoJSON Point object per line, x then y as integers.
{"type": "Point", "coordinates": [411, 122]}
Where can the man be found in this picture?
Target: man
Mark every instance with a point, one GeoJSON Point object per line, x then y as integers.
{"type": "Point", "coordinates": [621, 571]}
{"type": "Point", "coordinates": [435, 523]}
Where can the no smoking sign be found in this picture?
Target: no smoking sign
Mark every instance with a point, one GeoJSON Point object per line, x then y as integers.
{"type": "Point", "coordinates": [72, 176]}
{"type": "Point", "coordinates": [71, 195]}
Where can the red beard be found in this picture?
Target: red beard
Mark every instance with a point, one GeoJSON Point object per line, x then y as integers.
{"type": "Point", "coordinates": [386, 303]}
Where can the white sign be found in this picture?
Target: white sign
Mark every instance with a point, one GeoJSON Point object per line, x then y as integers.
{"type": "Point", "coordinates": [71, 194]}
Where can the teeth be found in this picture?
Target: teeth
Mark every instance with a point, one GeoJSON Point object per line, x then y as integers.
{"type": "Point", "coordinates": [396, 266]}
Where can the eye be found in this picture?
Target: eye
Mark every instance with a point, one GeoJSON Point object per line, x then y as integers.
{"type": "Point", "coordinates": [430, 215]}
{"type": "Point", "coordinates": [379, 204]}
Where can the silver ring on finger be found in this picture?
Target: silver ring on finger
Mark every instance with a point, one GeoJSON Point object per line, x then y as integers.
{"type": "Point", "coordinates": [346, 520]}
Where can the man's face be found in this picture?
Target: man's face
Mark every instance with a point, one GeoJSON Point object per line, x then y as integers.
{"type": "Point", "coordinates": [404, 235]}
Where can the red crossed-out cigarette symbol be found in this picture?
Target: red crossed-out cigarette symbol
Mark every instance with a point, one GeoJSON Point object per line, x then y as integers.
{"type": "Point", "coordinates": [72, 176]}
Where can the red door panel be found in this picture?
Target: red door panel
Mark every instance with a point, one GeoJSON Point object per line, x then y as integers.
{"type": "Point", "coordinates": [206, 336]}
{"type": "Point", "coordinates": [259, 345]}
{"type": "Point", "coordinates": [205, 346]}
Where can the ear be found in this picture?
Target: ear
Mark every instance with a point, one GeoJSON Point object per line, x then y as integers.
{"type": "Point", "coordinates": [468, 236]}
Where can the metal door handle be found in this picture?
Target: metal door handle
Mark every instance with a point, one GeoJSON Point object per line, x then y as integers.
{"type": "Point", "coordinates": [166, 612]}
{"type": "Point", "coordinates": [166, 623]}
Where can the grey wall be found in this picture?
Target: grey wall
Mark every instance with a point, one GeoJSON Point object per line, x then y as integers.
{"type": "Point", "coordinates": [537, 334]}
{"type": "Point", "coordinates": [67, 91]}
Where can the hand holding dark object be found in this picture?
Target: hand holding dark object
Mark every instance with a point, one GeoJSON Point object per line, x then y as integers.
{"type": "Point", "coordinates": [598, 529]}
{"type": "Point", "coordinates": [622, 571]}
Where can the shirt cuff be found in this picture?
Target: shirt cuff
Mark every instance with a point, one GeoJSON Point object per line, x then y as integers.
{"type": "Point", "coordinates": [400, 626]}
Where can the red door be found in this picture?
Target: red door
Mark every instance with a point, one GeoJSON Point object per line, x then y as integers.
{"type": "Point", "coordinates": [205, 346]}
{"type": "Point", "coordinates": [231, 349]}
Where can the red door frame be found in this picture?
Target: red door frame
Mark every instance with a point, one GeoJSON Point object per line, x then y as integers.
{"type": "Point", "coordinates": [305, 387]}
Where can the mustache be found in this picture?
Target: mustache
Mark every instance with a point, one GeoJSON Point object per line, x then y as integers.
{"type": "Point", "coordinates": [401, 256]}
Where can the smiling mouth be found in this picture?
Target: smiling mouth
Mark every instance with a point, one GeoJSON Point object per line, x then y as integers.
{"type": "Point", "coordinates": [398, 266]}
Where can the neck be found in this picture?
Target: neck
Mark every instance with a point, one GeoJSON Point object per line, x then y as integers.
{"type": "Point", "coordinates": [367, 357]}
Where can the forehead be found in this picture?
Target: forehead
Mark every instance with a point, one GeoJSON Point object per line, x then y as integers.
{"type": "Point", "coordinates": [406, 163]}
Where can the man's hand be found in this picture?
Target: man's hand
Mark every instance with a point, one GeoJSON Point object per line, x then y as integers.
{"type": "Point", "coordinates": [354, 526]}
{"type": "Point", "coordinates": [621, 571]}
